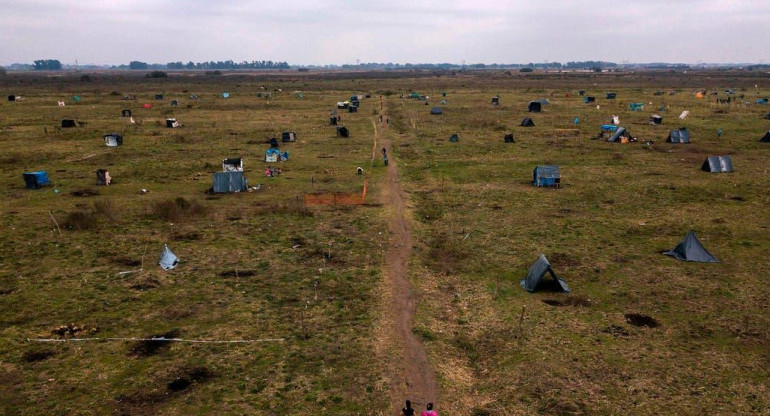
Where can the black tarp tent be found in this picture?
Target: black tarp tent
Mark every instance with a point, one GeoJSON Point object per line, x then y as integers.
{"type": "Point", "coordinates": [535, 107]}
{"type": "Point", "coordinates": [496, 100]}
{"type": "Point", "coordinates": [103, 177]}
{"type": "Point", "coordinates": [508, 138]}
{"type": "Point", "coordinates": [656, 119]}
{"type": "Point", "coordinates": [682, 135]}
{"type": "Point", "coordinates": [691, 249]}
{"type": "Point", "coordinates": [454, 138]}
{"type": "Point", "coordinates": [288, 136]}
{"type": "Point", "coordinates": [67, 123]}
{"type": "Point", "coordinates": [343, 131]}
{"type": "Point", "coordinates": [125, 113]}
{"type": "Point", "coordinates": [536, 273]}
{"type": "Point", "coordinates": [611, 95]}
{"type": "Point", "coordinates": [527, 122]}
{"type": "Point", "coordinates": [717, 164]}
{"type": "Point", "coordinates": [765, 138]}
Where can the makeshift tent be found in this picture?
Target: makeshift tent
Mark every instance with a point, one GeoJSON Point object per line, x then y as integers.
{"type": "Point", "coordinates": [333, 121]}
{"type": "Point", "coordinates": [527, 122]}
{"type": "Point", "coordinates": [691, 249]}
{"type": "Point", "coordinates": [125, 113]}
{"type": "Point", "coordinates": [454, 138]}
{"type": "Point", "coordinates": [66, 123]}
{"type": "Point", "coordinates": [656, 119]}
{"type": "Point", "coordinates": [172, 123]}
{"type": "Point", "coordinates": [233, 164]}
{"type": "Point", "coordinates": [174, 102]}
{"type": "Point", "coordinates": [508, 138]}
{"type": "Point", "coordinates": [679, 136]}
{"type": "Point", "coordinates": [272, 155]}
{"type": "Point", "coordinates": [342, 104]}
{"type": "Point", "coordinates": [589, 99]}
{"type": "Point", "coordinates": [582, 92]}
{"type": "Point", "coordinates": [636, 106]}
{"type": "Point", "coordinates": [537, 272]}
{"type": "Point", "coordinates": [535, 107]}
{"type": "Point", "coordinates": [611, 95]}
{"type": "Point", "coordinates": [168, 261]}
{"type": "Point", "coordinates": [621, 136]}
{"type": "Point", "coordinates": [11, 98]}
{"type": "Point", "coordinates": [36, 180]}
{"type": "Point", "coordinates": [103, 177]}
{"type": "Point", "coordinates": [496, 100]}
{"type": "Point", "coordinates": [607, 130]}
{"type": "Point", "coordinates": [436, 111]}
{"type": "Point", "coordinates": [288, 136]}
{"type": "Point", "coordinates": [352, 109]}
{"type": "Point", "coordinates": [225, 95]}
{"type": "Point", "coordinates": [765, 138]}
{"type": "Point", "coordinates": [343, 131]}
{"type": "Point", "coordinates": [767, 116]}
{"type": "Point", "coordinates": [159, 96]}
{"type": "Point", "coordinates": [354, 98]}
{"type": "Point", "coordinates": [223, 182]}
{"type": "Point", "coordinates": [76, 98]}
{"type": "Point", "coordinates": [717, 164]}
{"type": "Point", "coordinates": [273, 142]}
{"type": "Point", "coordinates": [414, 95]}
{"type": "Point", "coordinates": [113, 140]}
{"type": "Point", "coordinates": [284, 156]}
{"type": "Point", "coordinates": [543, 101]}
{"type": "Point", "coordinates": [546, 175]}
{"type": "Point", "coordinates": [762, 101]}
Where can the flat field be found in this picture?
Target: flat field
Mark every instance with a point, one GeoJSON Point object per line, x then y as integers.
{"type": "Point", "coordinates": [641, 333]}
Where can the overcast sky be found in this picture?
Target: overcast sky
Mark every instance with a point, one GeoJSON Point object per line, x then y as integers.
{"type": "Point", "coordinates": [416, 31]}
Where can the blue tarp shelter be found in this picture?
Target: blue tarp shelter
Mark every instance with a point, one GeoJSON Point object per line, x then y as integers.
{"type": "Point", "coordinates": [36, 180]}
{"type": "Point", "coordinates": [546, 175]}
{"type": "Point", "coordinates": [223, 182]}
{"type": "Point", "coordinates": [272, 155]}
{"type": "Point", "coordinates": [536, 274]}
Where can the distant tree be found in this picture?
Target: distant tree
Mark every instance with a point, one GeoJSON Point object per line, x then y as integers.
{"type": "Point", "coordinates": [137, 65]}
{"type": "Point", "coordinates": [47, 65]}
{"type": "Point", "coordinates": [3, 72]}
{"type": "Point", "coordinates": [596, 69]}
{"type": "Point", "coordinates": [175, 65]}
{"type": "Point", "coordinates": [526, 70]}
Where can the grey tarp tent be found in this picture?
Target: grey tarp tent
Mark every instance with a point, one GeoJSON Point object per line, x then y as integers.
{"type": "Point", "coordinates": [679, 136]}
{"type": "Point", "coordinates": [717, 164]}
{"type": "Point", "coordinates": [436, 111]}
{"type": "Point", "coordinates": [691, 249]}
{"type": "Point", "coordinates": [537, 272]}
{"type": "Point", "coordinates": [527, 122]}
{"type": "Point", "coordinates": [765, 138]}
{"type": "Point", "coordinates": [621, 136]}
{"type": "Point", "coordinates": [228, 182]}
{"type": "Point", "coordinates": [168, 260]}
{"type": "Point", "coordinates": [113, 140]}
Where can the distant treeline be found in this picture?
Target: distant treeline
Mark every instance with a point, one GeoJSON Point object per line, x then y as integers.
{"type": "Point", "coordinates": [228, 65]}
{"type": "Point", "coordinates": [542, 65]}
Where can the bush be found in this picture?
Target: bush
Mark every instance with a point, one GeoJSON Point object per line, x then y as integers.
{"type": "Point", "coordinates": [3, 72]}
{"type": "Point", "coordinates": [156, 74]}
{"type": "Point", "coordinates": [213, 73]}
{"type": "Point", "coordinates": [526, 70]}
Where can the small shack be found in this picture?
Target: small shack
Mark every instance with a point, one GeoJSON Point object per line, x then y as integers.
{"type": "Point", "coordinates": [546, 176]}
{"type": "Point", "coordinates": [535, 107]}
{"type": "Point", "coordinates": [125, 113]}
{"type": "Point", "coordinates": [589, 99]}
{"type": "Point", "coordinates": [527, 122]}
{"type": "Point", "coordinates": [288, 136]}
{"type": "Point", "coordinates": [172, 123]}
{"type": "Point", "coordinates": [717, 164]}
{"type": "Point", "coordinates": [495, 100]}
{"type": "Point", "coordinates": [682, 135]}
{"type": "Point", "coordinates": [656, 119]}
{"type": "Point", "coordinates": [36, 180]}
{"type": "Point", "coordinates": [536, 274]}
{"type": "Point", "coordinates": [343, 131]}
{"type": "Point", "coordinates": [508, 138]}
{"type": "Point", "coordinates": [272, 155]}
{"type": "Point", "coordinates": [113, 140]}
{"type": "Point", "coordinates": [67, 123]}
{"type": "Point", "coordinates": [436, 111]}
{"type": "Point", "coordinates": [232, 164]}
{"type": "Point", "coordinates": [103, 177]}
{"type": "Point", "coordinates": [231, 181]}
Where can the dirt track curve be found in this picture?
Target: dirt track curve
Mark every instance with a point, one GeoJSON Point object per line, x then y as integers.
{"type": "Point", "coordinates": [412, 375]}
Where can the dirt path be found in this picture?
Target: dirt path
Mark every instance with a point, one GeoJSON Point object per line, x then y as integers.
{"type": "Point", "coordinates": [411, 375]}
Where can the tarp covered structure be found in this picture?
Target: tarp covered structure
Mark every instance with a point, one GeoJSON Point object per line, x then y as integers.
{"type": "Point", "coordinates": [228, 182]}
{"type": "Point", "coordinates": [656, 119]}
{"type": "Point", "coordinates": [172, 123]}
{"type": "Point", "coordinates": [691, 249]}
{"type": "Point", "coordinates": [113, 140]}
{"type": "Point", "coordinates": [454, 137]}
{"type": "Point", "coordinates": [168, 260]}
{"type": "Point", "coordinates": [67, 123]}
{"type": "Point", "coordinates": [158, 96]}
{"type": "Point", "coordinates": [535, 107]}
{"type": "Point", "coordinates": [611, 95]}
{"type": "Point", "coordinates": [436, 111]}
{"type": "Point", "coordinates": [536, 274]}
{"type": "Point", "coordinates": [352, 109]}
{"type": "Point", "coordinates": [682, 135]}
{"type": "Point", "coordinates": [589, 99]}
{"type": "Point", "coordinates": [717, 164]}
{"type": "Point", "coordinates": [343, 131]}
{"type": "Point", "coordinates": [103, 177]}
{"type": "Point", "coordinates": [636, 106]}
{"type": "Point", "coordinates": [546, 175]}
{"type": "Point", "coordinates": [508, 138]}
{"type": "Point", "coordinates": [272, 155]}
{"type": "Point", "coordinates": [527, 122]}
{"type": "Point", "coordinates": [232, 164]}
{"type": "Point", "coordinates": [125, 113]}
{"type": "Point", "coordinates": [288, 136]}
{"type": "Point", "coordinates": [332, 121]}
{"type": "Point", "coordinates": [765, 138]}
{"type": "Point", "coordinates": [36, 180]}
{"type": "Point", "coordinates": [496, 100]}
{"type": "Point", "coordinates": [621, 136]}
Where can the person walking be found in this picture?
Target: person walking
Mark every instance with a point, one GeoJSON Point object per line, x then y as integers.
{"type": "Point", "coordinates": [407, 410]}
{"type": "Point", "coordinates": [430, 411]}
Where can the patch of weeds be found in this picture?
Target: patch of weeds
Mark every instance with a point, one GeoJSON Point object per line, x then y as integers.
{"type": "Point", "coordinates": [177, 209]}
{"type": "Point", "coordinates": [36, 355]}
{"type": "Point", "coordinates": [616, 331]}
{"type": "Point", "coordinates": [73, 330]}
{"type": "Point", "coordinates": [237, 273]}
{"type": "Point", "coordinates": [85, 192]}
{"type": "Point", "coordinates": [424, 334]}
{"type": "Point", "coordinates": [446, 253]}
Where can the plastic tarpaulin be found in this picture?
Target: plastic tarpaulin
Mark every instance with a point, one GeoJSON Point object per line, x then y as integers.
{"type": "Point", "coordinates": [717, 164]}
{"type": "Point", "coordinates": [168, 261]}
{"type": "Point", "coordinates": [537, 272]}
{"type": "Point", "coordinates": [228, 182]}
{"type": "Point", "coordinates": [691, 249]}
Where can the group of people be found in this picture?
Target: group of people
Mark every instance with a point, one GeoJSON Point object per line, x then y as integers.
{"type": "Point", "coordinates": [409, 411]}
{"type": "Point", "coordinates": [271, 172]}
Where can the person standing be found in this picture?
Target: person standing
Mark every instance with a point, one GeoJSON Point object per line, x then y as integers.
{"type": "Point", "coordinates": [407, 410]}
{"type": "Point", "coordinates": [430, 411]}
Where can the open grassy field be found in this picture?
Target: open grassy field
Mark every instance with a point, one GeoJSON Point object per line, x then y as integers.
{"type": "Point", "coordinates": [308, 280]}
